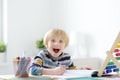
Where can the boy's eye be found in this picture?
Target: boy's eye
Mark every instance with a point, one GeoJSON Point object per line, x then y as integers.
{"type": "Point", "coordinates": [61, 41]}
{"type": "Point", "coordinates": [53, 40]}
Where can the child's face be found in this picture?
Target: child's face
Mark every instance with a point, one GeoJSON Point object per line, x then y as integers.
{"type": "Point", "coordinates": [55, 46]}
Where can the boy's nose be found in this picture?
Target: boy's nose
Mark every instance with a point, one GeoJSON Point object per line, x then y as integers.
{"type": "Point", "coordinates": [56, 43]}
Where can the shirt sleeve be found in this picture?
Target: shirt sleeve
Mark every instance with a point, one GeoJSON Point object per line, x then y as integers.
{"type": "Point", "coordinates": [36, 67]}
{"type": "Point", "coordinates": [71, 65]}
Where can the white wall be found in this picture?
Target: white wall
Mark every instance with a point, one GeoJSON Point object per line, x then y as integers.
{"type": "Point", "coordinates": [95, 24]}
{"type": "Point", "coordinates": [28, 21]}
{"type": "Point", "coordinates": [0, 19]}
{"type": "Point", "coordinates": [98, 20]}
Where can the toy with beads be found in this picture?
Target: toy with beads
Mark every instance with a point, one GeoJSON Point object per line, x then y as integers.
{"type": "Point", "coordinates": [111, 64]}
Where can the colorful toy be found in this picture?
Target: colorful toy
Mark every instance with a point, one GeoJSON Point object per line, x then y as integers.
{"type": "Point", "coordinates": [111, 66]}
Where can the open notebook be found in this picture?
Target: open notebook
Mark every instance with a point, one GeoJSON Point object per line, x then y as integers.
{"type": "Point", "coordinates": [73, 74]}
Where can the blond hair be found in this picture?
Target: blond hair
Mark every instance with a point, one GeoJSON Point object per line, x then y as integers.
{"type": "Point", "coordinates": [56, 32]}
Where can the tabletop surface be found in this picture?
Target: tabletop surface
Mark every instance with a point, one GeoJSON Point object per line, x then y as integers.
{"type": "Point", "coordinates": [50, 78]}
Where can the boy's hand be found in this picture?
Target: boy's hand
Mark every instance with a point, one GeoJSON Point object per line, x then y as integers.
{"type": "Point", "coordinates": [84, 68]}
{"type": "Point", "coordinates": [59, 70]}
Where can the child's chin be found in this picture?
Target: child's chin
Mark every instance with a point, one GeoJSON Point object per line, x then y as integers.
{"type": "Point", "coordinates": [56, 55]}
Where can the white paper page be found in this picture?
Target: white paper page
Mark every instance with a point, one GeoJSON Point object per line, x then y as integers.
{"type": "Point", "coordinates": [80, 73]}
{"type": "Point", "coordinates": [73, 74]}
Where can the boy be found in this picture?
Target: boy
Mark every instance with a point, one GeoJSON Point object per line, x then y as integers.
{"type": "Point", "coordinates": [53, 61]}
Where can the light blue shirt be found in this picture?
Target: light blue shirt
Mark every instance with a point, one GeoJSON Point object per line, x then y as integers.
{"type": "Point", "coordinates": [46, 60]}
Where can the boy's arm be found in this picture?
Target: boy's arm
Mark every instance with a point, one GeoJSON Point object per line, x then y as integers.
{"type": "Point", "coordinates": [54, 71]}
{"type": "Point", "coordinates": [36, 67]}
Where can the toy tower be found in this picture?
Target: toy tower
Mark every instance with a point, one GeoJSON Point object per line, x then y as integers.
{"type": "Point", "coordinates": [112, 63]}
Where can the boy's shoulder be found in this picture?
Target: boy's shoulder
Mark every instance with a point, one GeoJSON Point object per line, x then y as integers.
{"type": "Point", "coordinates": [66, 54]}
{"type": "Point", "coordinates": [43, 52]}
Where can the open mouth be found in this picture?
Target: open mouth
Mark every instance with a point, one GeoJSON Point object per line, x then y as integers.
{"type": "Point", "coordinates": [56, 50]}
